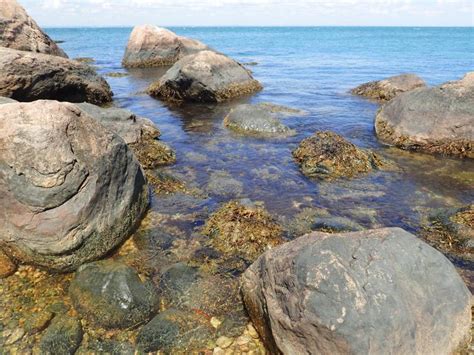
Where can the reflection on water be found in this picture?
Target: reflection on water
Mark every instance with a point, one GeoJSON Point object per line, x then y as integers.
{"type": "Point", "coordinates": [312, 70]}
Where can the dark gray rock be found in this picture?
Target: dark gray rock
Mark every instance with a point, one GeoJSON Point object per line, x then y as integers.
{"type": "Point", "coordinates": [71, 190]}
{"type": "Point", "coordinates": [387, 89]}
{"type": "Point", "coordinates": [434, 120]}
{"type": "Point", "coordinates": [27, 76]}
{"type": "Point", "coordinates": [256, 119]}
{"type": "Point", "coordinates": [378, 291]}
{"type": "Point", "coordinates": [20, 31]}
{"type": "Point", "coordinates": [111, 294]}
{"type": "Point", "coordinates": [175, 330]}
{"type": "Point", "coordinates": [63, 336]}
{"type": "Point", "coordinates": [151, 46]}
{"type": "Point", "coordinates": [206, 76]}
{"type": "Point", "coordinates": [106, 347]}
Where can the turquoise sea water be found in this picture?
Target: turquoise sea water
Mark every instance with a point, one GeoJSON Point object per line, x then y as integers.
{"type": "Point", "coordinates": [312, 69]}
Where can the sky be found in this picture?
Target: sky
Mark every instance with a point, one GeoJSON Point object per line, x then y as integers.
{"type": "Point", "coordinates": [64, 13]}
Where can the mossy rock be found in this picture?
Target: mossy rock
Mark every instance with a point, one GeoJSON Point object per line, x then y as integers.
{"type": "Point", "coordinates": [63, 336]}
{"type": "Point", "coordinates": [243, 229]}
{"type": "Point", "coordinates": [327, 155]}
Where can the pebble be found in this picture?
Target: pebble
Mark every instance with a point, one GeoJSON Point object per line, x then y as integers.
{"type": "Point", "coordinates": [243, 340]}
{"type": "Point", "coordinates": [14, 336]}
{"type": "Point", "coordinates": [218, 351]}
{"type": "Point", "coordinates": [224, 342]}
{"type": "Point", "coordinates": [7, 266]}
{"type": "Point", "coordinates": [215, 322]}
{"type": "Point", "coordinates": [252, 331]}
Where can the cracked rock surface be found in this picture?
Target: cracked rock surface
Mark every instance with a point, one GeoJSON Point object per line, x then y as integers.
{"type": "Point", "coordinates": [74, 190]}
{"type": "Point", "coordinates": [379, 291]}
{"type": "Point", "coordinates": [27, 76]}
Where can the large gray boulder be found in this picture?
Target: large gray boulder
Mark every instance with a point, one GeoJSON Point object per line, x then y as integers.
{"type": "Point", "coordinates": [206, 76]}
{"type": "Point", "coordinates": [380, 291]}
{"type": "Point", "coordinates": [110, 294]}
{"type": "Point", "coordinates": [387, 89]}
{"type": "Point", "coordinates": [27, 76]}
{"type": "Point", "coordinates": [71, 190]}
{"type": "Point", "coordinates": [19, 31]}
{"type": "Point", "coordinates": [259, 119]}
{"type": "Point", "coordinates": [435, 120]}
{"type": "Point", "coordinates": [152, 46]}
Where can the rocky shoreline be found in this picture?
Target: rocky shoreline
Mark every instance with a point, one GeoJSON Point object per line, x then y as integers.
{"type": "Point", "coordinates": [87, 266]}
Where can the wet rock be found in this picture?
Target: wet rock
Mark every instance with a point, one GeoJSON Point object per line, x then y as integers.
{"type": "Point", "coordinates": [327, 155]}
{"type": "Point", "coordinates": [111, 294]}
{"type": "Point", "coordinates": [343, 293]}
{"type": "Point", "coordinates": [7, 265]}
{"type": "Point", "coordinates": [72, 190]}
{"type": "Point", "coordinates": [174, 330]}
{"type": "Point", "coordinates": [204, 77]}
{"type": "Point", "coordinates": [63, 336]}
{"type": "Point", "coordinates": [190, 289]}
{"type": "Point", "coordinates": [452, 231]}
{"type": "Point", "coordinates": [334, 224]}
{"type": "Point", "coordinates": [37, 322]}
{"type": "Point", "coordinates": [19, 31]}
{"type": "Point", "coordinates": [26, 76]}
{"type": "Point", "coordinates": [106, 347]}
{"type": "Point", "coordinates": [139, 133]}
{"type": "Point", "coordinates": [221, 183]}
{"type": "Point", "coordinates": [432, 120]}
{"type": "Point", "coordinates": [256, 119]}
{"type": "Point", "coordinates": [243, 229]}
{"type": "Point", "coordinates": [152, 46]}
{"type": "Point", "coordinates": [387, 89]}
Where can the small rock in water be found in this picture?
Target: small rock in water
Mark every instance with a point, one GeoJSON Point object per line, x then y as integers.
{"type": "Point", "coordinates": [221, 183]}
{"type": "Point", "coordinates": [327, 155]}
{"type": "Point", "coordinates": [224, 342]}
{"type": "Point", "coordinates": [85, 60]}
{"type": "Point", "coordinates": [174, 330]}
{"type": "Point", "coordinates": [117, 74]}
{"type": "Point", "coordinates": [335, 224]}
{"type": "Point", "coordinates": [387, 89]}
{"type": "Point", "coordinates": [63, 336]}
{"type": "Point", "coordinates": [111, 294]}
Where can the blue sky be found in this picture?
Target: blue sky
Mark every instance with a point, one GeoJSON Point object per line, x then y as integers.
{"type": "Point", "coordinates": [52, 13]}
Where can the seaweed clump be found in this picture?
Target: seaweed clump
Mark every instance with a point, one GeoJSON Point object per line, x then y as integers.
{"type": "Point", "coordinates": [242, 229]}
{"type": "Point", "coordinates": [327, 155]}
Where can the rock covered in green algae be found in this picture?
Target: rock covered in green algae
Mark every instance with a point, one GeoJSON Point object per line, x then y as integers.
{"type": "Point", "coordinates": [432, 120]}
{"type": "Point", "coordinates": [175, 330]}
{"type": "Point", "coordinates": [327, 155]}
{"type": "Point", "coordinates": [387, 89]}
{"type": "Point", "coordinates": [243, 229]}
{"type": "Point", "coordinates": [63, 336]}
{"type": "Point", "coordinates": [206, 76]}
{"type": "Point", "coordinates": [111, 294]}
{"type": "Point", "coordinates": [259, 119]}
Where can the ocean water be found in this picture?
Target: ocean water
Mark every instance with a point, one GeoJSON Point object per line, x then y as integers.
{"type": "Point", "coordinates": [311, 69]}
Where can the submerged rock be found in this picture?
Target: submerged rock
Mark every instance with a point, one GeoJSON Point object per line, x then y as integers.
{"type": "Point", "coordinates": [204, 77]}
{"type": "Point", "coordinates": [343, 293]}
{"type": "Point", "coordinates": [19, 31]}
{"type": "Point", "coordinates": [63, 336]}
{"type": "Point", "coordinates": [110, 294]}
{"type": "Point", "coordinates": [221, 183]}
{"type": "Point", "coordinates": [332, 224]}
{"type": "Point", "coordinates": [327, 155]}
{"type": "Point", "coordinates": [175, 330]}
{"type": "Point", "coordinates": [152, 46]}
{"type": "Point", "coordinates": [26, 76]}
{"type": "Point", "coordinates": [432, 120]}
{"type": "Point", "coordinates": [71, 190]}
{"type": "Point", "coordinates": [139, 133]}
{"type": "Point", "coordinates": [452, 231]}
{"type": "Point", "coordinates": [243, 229]}
{"type": "Point", "coordinates": [387, 89]}
{"type": "Point", "coordinates": [256, 119]}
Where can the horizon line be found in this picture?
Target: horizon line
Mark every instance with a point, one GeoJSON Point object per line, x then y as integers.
{"type": "Point", "coordinates": [266, 26]}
